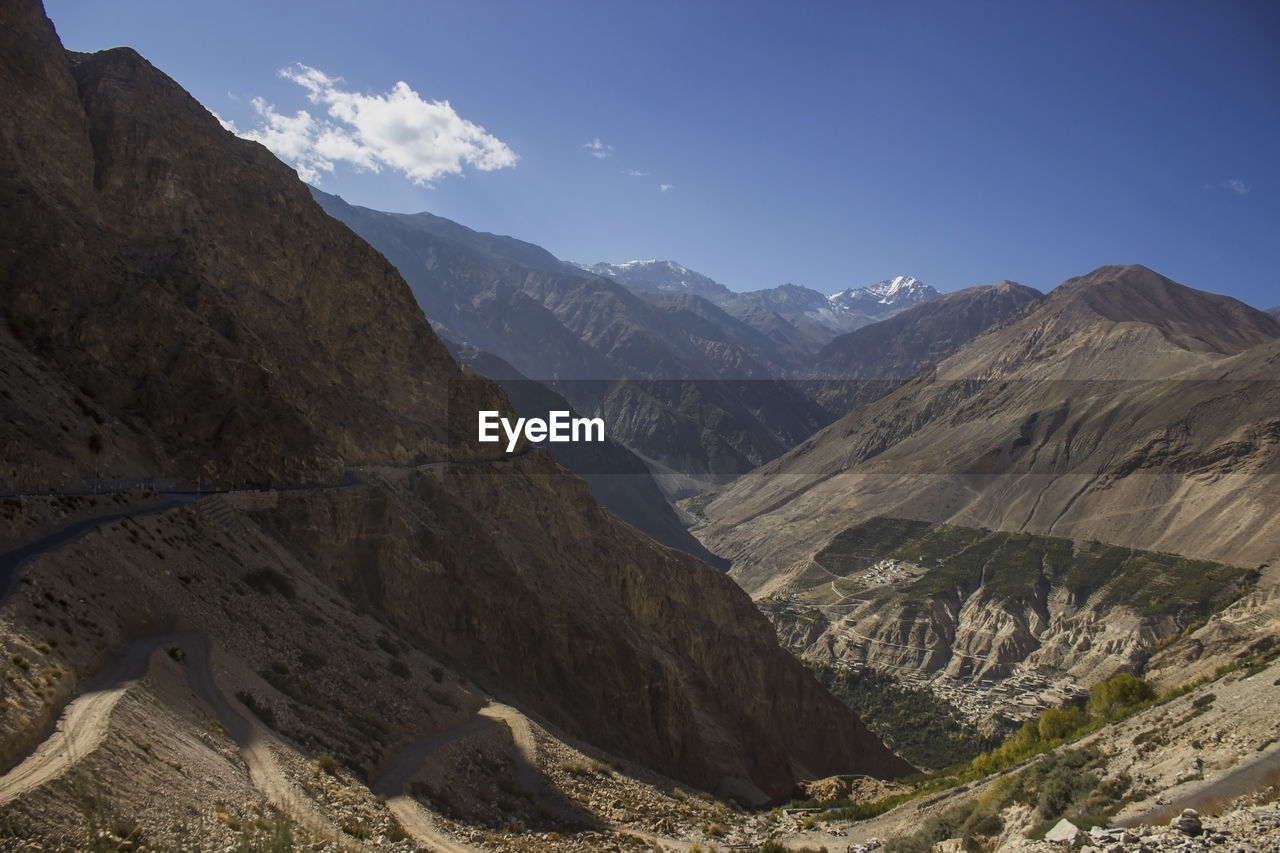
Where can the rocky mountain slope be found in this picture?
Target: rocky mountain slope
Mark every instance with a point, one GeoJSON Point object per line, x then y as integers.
{"type": "Point", "coordinates": [1125, 409]}
{"type": "Point", "coordinates": [864, 365]}
{"type": "Point", "coordinates": [179, 311]}
{"type": "Point", "coordinates": [617, 478]}
{"type": "Point", "coordinates": [655, 370]}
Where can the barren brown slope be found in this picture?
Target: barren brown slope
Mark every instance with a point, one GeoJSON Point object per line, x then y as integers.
{"type": "Point", "coordinates": [1156, 427]}
{"type": "Point", "coordinates": [864, 365]}
{"type": "Point", "coordinates": [194, 314]}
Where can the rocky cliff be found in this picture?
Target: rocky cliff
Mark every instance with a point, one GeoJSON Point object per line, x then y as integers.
{"type": "Point", "coordinates": [176, 307]}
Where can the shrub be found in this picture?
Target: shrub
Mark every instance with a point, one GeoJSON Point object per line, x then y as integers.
{"type": "Point", "coordinates": [1118, 695]}
{"type": "Point", "coordinates": [267, 580]}
{"type": "Point", "coordinates": [260, 710]}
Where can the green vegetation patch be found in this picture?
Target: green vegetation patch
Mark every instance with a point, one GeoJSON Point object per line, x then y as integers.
{"type": "Point", "coordinates": [916, 724]}
{"type": "Point", "coordinates": [1157, 584]}
{"type": "Point", "coordinates": [1006, 566]}
{"type": "Point", "coordinates": [862, 546]}
{"type": "Point", "coordinates": [1017, 567]}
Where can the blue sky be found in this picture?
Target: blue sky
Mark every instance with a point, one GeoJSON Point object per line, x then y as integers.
{"type": "Point", "coordinates": [829, 144]}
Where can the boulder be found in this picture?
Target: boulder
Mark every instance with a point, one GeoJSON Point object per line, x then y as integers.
{"type": "Point", "coordinates": [1064, 831]}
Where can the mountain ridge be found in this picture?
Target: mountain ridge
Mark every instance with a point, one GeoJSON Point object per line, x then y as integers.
{"type": "Point", "coordinates": [810, 314]}
{"type": "Point", "coordinates": [863, 365]}
{"type": "Point", "coordinates": [662, 371]}
{"type": "Point", "coordinates": [997, 405]}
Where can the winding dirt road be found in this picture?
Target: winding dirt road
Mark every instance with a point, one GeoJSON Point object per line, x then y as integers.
{"type": "Point", "coordinates": [85, 721]}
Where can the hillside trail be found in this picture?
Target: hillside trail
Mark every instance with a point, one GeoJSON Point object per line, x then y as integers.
{"type": "Point", "coordinates": [421, 824]}
{"type": "Point", "coordinates": [254, 740]}
{"type": "Point", "coordinates": [391, 783]}
{"type": "Point", "coordinates": [14, 559]}
{"type": "Point", "coordinates": [400, 769]}
{"type": "Point", "coordinates": [84, 723]}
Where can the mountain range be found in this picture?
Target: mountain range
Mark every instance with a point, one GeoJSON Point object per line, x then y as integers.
{"type": "Point", "coordinates": [1121, 409]}
{"type": "Point", "coordinates": [667, 371]}
{"type": "Point", "coordinates": [226, 436]}
{"type": "Point", "coordinates": [798, 318]}
{"type": "Point", "coordinates": [692, 377]}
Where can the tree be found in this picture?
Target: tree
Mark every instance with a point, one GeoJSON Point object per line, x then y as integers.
{"type": "Point", "coordinates": [1118, 695]}
{"type": "Point", "coordinates": [1058, 723]}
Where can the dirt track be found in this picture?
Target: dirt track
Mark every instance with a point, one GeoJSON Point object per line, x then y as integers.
{"type": "Point", "coordinates": [85, 721]}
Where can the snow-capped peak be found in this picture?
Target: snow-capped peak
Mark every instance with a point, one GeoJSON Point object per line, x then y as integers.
{"type": "Point", "coordinates": [657, 275]}
{"type": "Point", "coordinates": [890, 288]}
{"type": "Point", "coordinates": [903, 290]}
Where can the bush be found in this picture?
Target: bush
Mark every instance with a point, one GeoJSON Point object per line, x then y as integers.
{"type": "Point", "coordinates": [1119, 695]}
{"type": "Point", "coordinates": [1059, 723]}
{"type": "Point", "coordinates": [982, 824]}
{"type": "Point", "coordinates": [267, 580]}
{"type": "Point", "coordinates": [260, 710]}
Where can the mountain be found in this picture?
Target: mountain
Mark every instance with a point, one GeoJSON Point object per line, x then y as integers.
{"type": "Point", "coordinates": [1123, 409]}
{"type": "Point", "coordinates": [865, 364]}
{"type": "Point", "coordinates": [1274, 312]}
{"type": "Point", "coordinates": [661, 276]}
{"type": "Point", "coordinates": [367, 583]}
{"type": "Point", "coordinates": [854, 308]}
{"type": "Point", "coordinates": [617, 478]}
{"type": "Point", "coordinates": [798, 319]}
{"type": "Point", "coordinates": [664, 369]}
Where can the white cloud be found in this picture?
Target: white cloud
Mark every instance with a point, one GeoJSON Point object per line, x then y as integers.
{"type": "Point", "coordinates": [227, 124]}
{"type": "Point", "coordinates": [634, 173]}
{"type": "Point", "coordinates": [665, 187]}
{"type": "Point", "coordinates": [1234, 185]}
{"type": "Point", "coordinates": [598, 149]}
{"type": "Point", "coordinates": [423, 140]}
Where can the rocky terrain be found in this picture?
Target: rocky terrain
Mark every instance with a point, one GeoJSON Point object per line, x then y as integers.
{"type": "Point", "coordinates": [245, 554]}
{"type": "Point", "coordinates": [1214, 749]}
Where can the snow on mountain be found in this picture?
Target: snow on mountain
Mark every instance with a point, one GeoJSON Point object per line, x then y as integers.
{"type": "Point", "coordinates": [825, 316]}
{"type": "Point", "coordinates": [666, 276]}
{"type": "Point", "coordinates": [901, 291]}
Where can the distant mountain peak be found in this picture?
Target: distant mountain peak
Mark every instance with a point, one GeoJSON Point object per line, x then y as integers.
{"type": "Point", "coordinates": [1191, 319]}
{"type": "Point", "coordinates": [899, 292]}
{"type": "Point", "coordinates": [662, 276]}
{"type": "Point", "coordinates": [891, 288]}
